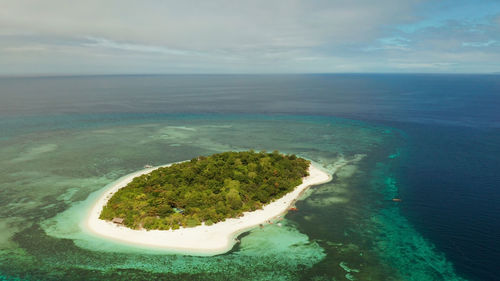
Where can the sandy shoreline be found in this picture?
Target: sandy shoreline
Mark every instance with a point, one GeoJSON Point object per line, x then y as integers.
{"type": "Point", "coordinates": [201, 240]}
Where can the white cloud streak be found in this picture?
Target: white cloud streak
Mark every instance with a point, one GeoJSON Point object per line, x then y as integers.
{"type": "Point", "coordinates": [108, 44]}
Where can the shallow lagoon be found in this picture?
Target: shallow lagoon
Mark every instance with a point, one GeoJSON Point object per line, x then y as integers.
{"type": "Point", "coordinates": [53, 169]}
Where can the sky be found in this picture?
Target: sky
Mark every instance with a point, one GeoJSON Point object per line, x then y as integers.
{"type": "Point", "coordinates": [230, 36]}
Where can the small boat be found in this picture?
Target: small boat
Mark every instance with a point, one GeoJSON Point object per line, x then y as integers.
{"type": "Point", "coordinates": [293, 209]}
{"type": "Point", "coordinates": [397, 199]}
{"type": "Point", "coordinates": [147, 166]}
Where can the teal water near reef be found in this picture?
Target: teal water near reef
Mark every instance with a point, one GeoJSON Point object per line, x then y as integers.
{"type": "Point", "coordinates": [50, 175]}
{"type": "Point", "coordinates": [432, 140]}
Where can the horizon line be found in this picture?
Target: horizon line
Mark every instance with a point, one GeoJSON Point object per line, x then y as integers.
{"type": "Point", "coordinates": [57, 75]}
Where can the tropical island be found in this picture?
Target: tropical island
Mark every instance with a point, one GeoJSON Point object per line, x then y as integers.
{"type": "Point", "coordinates": [205, 190]}
{"type": "Point", "coordinates": [199, 206]}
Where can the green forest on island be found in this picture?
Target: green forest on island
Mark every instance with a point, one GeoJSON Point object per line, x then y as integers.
{"type": "Point", "coordinates": [205, 189]}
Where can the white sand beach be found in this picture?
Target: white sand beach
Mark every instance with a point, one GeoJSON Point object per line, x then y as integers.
{"type": "Point", "coordinates": [201, 240]}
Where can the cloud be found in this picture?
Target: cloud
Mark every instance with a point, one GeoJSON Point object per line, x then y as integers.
{"type": "Point", "coordinates": [237, 36]}
{"type": "Point", "coordinates": [428, 65]}
{"type": "Point", "coordinates": [108, 44]}
{"type": "Point", "coordinates": [206, 24]}
{"type": "Point", "coordinates": [480, 44]}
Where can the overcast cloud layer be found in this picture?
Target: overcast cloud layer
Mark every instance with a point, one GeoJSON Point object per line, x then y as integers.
{"type": "Point", "coordinates": [100, 37]}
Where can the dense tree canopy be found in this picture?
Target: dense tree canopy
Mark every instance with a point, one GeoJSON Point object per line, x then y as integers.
{"type": "Point", "coordinates": [205, 189]}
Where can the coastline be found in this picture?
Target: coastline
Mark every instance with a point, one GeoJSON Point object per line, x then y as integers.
{"type": "Point", "coordinates": [200, 240]}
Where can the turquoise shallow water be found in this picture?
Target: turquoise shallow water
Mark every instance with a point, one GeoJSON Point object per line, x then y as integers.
{"type": "Point", "coordinates": [53, 167]}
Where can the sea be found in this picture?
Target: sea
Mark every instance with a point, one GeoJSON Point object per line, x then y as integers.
{"type": "Point", "coordinates": [430, 140]}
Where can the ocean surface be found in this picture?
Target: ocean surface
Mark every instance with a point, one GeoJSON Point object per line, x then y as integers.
{"type": "Point", "coordinates": [431, 140]}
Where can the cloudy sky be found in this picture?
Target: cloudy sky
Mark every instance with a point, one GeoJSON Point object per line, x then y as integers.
{"type": "Point", "coordinates": [219, 36]}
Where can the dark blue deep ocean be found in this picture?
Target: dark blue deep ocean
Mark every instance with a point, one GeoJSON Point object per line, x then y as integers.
{"type": "Point", "coordinates": [449, 173]}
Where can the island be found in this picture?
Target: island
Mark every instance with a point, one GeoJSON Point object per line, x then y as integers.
{"type": "Point", "coordinates": [200, 206]}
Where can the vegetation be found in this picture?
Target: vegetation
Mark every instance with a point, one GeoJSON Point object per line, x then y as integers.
{"type": "Point", "coordinates": [205, 189]}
